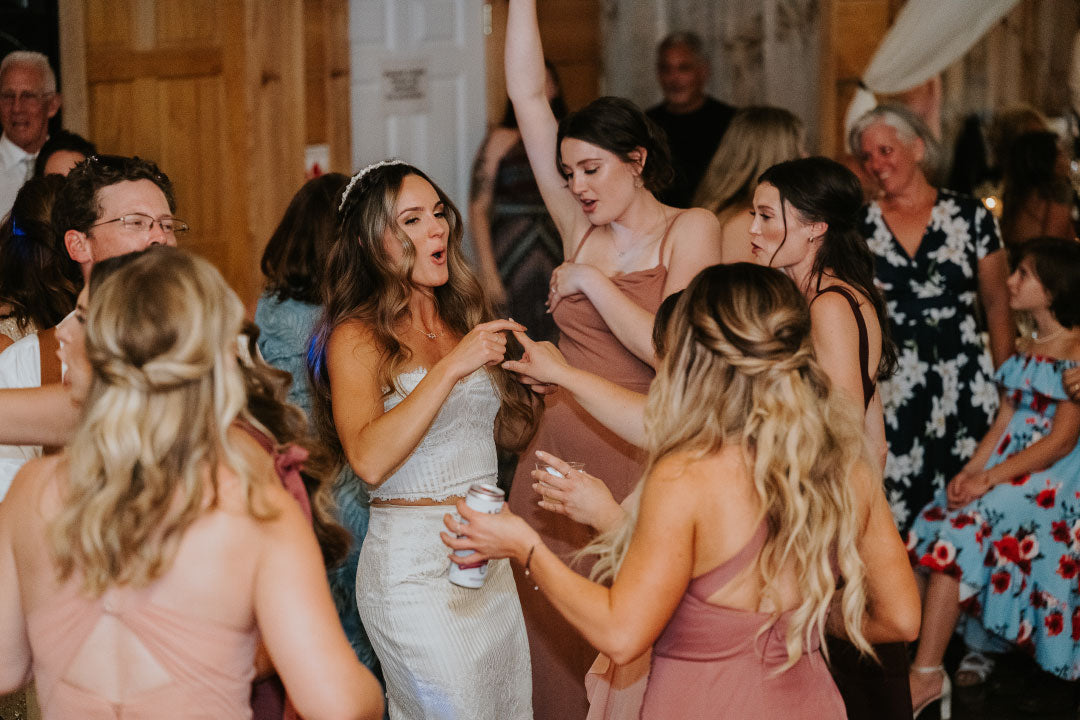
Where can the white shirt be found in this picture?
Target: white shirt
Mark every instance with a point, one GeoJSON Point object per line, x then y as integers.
{"type": "Point", "coordinates": [16, 167]}
{"type": "Point", "coordinates": [20, 367]}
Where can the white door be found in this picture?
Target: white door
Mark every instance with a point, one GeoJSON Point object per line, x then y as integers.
{"type": "Point", "coordinates": [417, 86]}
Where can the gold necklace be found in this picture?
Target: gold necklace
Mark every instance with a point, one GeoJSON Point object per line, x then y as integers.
{"type": "Point", "coordinates": [428, 335]}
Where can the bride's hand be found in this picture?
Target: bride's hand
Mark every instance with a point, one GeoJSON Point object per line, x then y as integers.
{"type": "Point", "coordinates": [541, 366]}
{"type": "Point", "coordinates": [484, 345]}
{"type": "Point", "coordinates": [491, 536]}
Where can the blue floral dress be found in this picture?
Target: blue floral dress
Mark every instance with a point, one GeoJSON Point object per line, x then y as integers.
{"type": "Point", "coordinates": [942, 398]}
{"type": "Point", "coordinates": [1016, 550]}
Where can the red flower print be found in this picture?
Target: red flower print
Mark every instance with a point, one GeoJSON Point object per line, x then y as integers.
{"type": "Point", "coordinates": [1038, 599]}
{"type": "Point", "coordinates": [1024, 632]}
{"type": "Point", "coordinates": [1076, 624]}
{"type": "Point", "coordinates": [934, 513]}
{"type": "Point", "coordinates": [1021, 479]}
{"type": "Point", "coordinates": [1008, 549]}
{"type": "Point", "coordinates": [962, 520]}
{"type": "Point", "coordinates": [1045, 499]}
{"type": "Point", "coordinates": [943, 552]}
{"type": "Point", "coordinates": [1029, 547]}
{"type": "Point", "coordinates": [1060, 531]}
{"type": "Point", "coordinates": [1055, 623]}
{"type": "Point", "coordinates": [1000, 580]}
{"type": "Point", "coordinates": [983, 532]}
{"type": "Point", "coordinates": [1004, 444]}
{"type": "Point", "coordinates": [1067, 567]}
{"type": "Point", "coordinates": [1039, 403]}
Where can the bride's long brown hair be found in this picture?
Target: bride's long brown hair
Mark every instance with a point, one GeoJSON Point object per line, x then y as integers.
{"type": "Point", "coordinates": [364, 283]}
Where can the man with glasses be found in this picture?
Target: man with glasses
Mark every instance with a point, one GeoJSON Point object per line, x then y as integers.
{"type": "Point", "coordinates": [109, 205]}
{"type": "Point", "coordinates": [28, 98]}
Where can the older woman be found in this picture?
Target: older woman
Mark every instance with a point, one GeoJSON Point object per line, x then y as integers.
{"type": "Point", "coordinates": [938, 254]}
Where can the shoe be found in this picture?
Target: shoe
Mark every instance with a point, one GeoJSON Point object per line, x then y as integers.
{"type": "Point", "coordinates": [945, 696]}
{"type": "Point", "coordinates": [974, 669]}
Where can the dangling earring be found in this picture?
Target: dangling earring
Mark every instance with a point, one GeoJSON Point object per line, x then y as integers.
{"type": "Point", "coordinates": [638, 182]}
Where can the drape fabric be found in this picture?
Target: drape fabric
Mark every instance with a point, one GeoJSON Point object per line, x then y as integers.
{"type": "Point", "coordinates": [927, 37]}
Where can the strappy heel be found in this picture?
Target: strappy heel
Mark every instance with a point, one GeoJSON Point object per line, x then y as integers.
{"type": "Point", "coordinates": [945, 696]}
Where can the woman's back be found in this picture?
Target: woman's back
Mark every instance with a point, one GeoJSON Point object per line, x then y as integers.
{"type": "Point", "coordinates": [190, 634]}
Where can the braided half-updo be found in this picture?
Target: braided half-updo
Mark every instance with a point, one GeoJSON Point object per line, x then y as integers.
{"type": "Point", "coordinates": [739, 370]}
{"type": "Point", "coordinates": [161, 341]}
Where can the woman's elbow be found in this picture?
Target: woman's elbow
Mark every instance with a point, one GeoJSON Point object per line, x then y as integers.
{"type": "Point", "coordinates": [623, 648]}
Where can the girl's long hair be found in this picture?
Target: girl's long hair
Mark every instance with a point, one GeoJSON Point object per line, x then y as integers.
{"type": "Point", "coordinates": [756, 139]}
{"type": "Point", "coordinates": [161, 341]}
{"type": "Point", "coordinates": [364, 283]}
{"type": "Point", "coordinates": [738, 369]}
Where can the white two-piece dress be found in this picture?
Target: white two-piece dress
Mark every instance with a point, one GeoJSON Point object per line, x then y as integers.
{"type": "Point", "coordinates": [447, 652]}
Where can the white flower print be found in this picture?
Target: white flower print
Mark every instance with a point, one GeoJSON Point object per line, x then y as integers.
{"type": "Point", "coordinates": [964, 447]}
{"type": "Point", "coordinates": [984, 394]}
{"type": "Point", "coordinates": [969, 331]}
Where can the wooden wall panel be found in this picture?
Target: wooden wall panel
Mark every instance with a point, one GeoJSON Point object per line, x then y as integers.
{"type": "Point", "coordinates": [326, 79]}
{"type": "Point", "coordinates": [213, 91]}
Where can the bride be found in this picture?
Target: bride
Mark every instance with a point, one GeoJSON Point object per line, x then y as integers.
{"type": "Point", "coordinates": [408, 389]}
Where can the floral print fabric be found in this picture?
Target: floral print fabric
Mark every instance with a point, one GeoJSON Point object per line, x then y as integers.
{"type": "Point", "coordinates": [942, 398]}
{"type": "Point", "coordinates": [1016, 550]}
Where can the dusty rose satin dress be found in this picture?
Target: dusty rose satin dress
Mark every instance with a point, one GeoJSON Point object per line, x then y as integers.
{"type": "Point", "coordinates": [709, 662]}
{"type": "Point", "coordinates": [560, 656]}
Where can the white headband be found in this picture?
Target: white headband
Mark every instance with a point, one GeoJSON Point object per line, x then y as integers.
{"type": "Point", "coordinates": [359, 176]}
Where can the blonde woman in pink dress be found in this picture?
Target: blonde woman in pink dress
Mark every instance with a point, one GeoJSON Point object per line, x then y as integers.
{"type": "Point", "coordinates": [756, 500]}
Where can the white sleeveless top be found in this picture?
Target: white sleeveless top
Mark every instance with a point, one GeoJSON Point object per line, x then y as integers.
{"type": "Point", "coordinates": [457, 450]}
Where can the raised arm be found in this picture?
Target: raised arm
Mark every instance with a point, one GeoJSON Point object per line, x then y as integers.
{"type": "Point", "coordinates": [377, 442]}
{"type": "Point", "coordinates": [525, 84]}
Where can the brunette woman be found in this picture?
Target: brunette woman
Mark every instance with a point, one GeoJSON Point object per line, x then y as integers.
{"type": "Point", "coordinates": [597, 170]}
{"type": "Point", "coordinates": [734, 587]}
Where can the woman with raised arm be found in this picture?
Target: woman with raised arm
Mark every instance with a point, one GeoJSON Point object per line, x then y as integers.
{"type": "Point", "coordinates": [408, 390]}
{"type": "Point", "coordinates": [153, 553]}
{"type": "Point", "coordinates": [755, 502]}
{"type": "Point", "coordinates": [597, 170]}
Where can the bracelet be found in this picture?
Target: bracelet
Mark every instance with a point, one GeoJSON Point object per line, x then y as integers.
{"type": "Point", "coordinates": [528, 573]}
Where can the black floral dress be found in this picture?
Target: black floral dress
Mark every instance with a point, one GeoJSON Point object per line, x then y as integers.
{"type": "Point", "coordinates": [942, 398]}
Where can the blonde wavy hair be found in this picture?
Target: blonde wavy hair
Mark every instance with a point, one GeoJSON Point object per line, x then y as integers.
{"type": "Point", "coordinates": [161, 340]}
{"type": "Point", "coordinates": [739, 369]}
{"type": "Point", "coordinates": [756, 139]}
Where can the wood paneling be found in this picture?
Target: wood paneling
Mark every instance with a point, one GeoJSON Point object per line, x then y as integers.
{"type": "Point", "coordinates": [326, 79]}
{"type": "Point", "coordinates": [570, 32]}
{"type": "Point", "coordinates": [214, 92]}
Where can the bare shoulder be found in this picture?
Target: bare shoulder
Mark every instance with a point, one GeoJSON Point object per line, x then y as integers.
{"type": "Point", "coordinates": [352, 339]}
{"type": "Point", "coordinates": [1072, 351]}
{"type": "Point", "coordinates": [686, 470]}
{"type": "Point", "coordinates": [693, 224]}
{"type": "Point", "coordinates": [38, 482]}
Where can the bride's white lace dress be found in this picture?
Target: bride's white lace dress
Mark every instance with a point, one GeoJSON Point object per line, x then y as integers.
{"type": "Point", "coordinates": [447, 652]}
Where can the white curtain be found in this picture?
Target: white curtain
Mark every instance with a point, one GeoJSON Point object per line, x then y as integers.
{"type": "Point", "coordinates": [927, 37]}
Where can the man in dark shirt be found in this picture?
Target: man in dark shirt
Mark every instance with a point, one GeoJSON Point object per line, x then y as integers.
{"type": "Point", "coordinates": [693, 121]}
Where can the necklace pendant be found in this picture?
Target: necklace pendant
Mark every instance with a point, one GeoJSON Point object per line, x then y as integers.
{"type": "Point", "coordinates": [431, 336]}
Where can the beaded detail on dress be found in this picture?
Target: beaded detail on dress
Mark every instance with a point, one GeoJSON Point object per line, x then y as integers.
{"type": "Point", "coordinates": [457, 450]}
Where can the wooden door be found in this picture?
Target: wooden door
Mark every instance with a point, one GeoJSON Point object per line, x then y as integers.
{"type": "Point", "coordinates": [211, 90]}
{"type": "Point", "coordinates": [418, 93]}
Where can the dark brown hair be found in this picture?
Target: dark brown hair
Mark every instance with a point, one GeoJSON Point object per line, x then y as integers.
{"type": "Point", "coordinates": [1057, 265]}
{"type": "Point", "coordinates": [38, 278]}
{"type": "Point", "coordinates": [295, 257]}
{"type": "Point", "coordinates": [620, 127]}
{"type": "Point", "coordinates": [77, 206]}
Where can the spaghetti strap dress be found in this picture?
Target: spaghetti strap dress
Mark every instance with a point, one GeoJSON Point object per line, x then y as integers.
{"type": "Point", "coordinates": [713, 662]}
{"type": "Point", "coordinates": [560, 655]}
{"type": "Point", "coordinates": [871, 690]}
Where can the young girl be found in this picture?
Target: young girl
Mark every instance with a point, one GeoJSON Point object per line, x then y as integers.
{"type": "Point", "coordinates": [756, 499]}
{"type": "Point", "coordinates": [998, 542]}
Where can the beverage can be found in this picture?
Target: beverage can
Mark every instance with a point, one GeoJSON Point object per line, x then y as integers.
{"type": "Point", "coordinates": [485, 498]}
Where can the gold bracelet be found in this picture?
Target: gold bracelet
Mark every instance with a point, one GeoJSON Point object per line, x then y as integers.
{"type": "Point", "coordinates": [528, 573]}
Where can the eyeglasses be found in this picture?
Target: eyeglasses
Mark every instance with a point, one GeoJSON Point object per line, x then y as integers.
{"type": "Point", "coordinates": [25, 97]}
{"type": "Point", "coordinates": [144, 224]}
